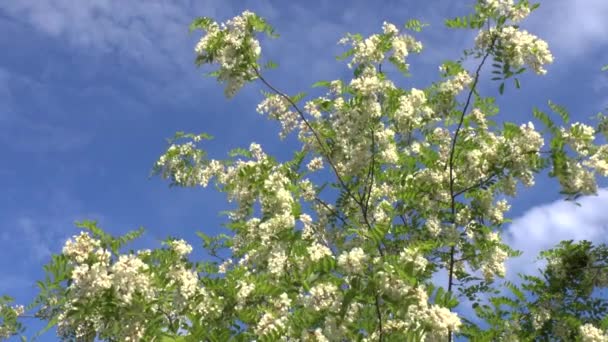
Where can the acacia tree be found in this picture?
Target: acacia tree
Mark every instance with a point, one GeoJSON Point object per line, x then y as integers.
{"type": "Point", "coordinates": [416, 181]}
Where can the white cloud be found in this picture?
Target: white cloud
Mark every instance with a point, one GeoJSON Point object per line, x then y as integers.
{"type": "Point", "coordinates": [544, 226]}
{"type": "Point", "coordinates": [572, 28]}
{"type": "Point", "coordinates": [143, 30]}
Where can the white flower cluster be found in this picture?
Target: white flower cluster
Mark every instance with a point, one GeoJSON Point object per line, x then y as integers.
{"type": "Point", "coordinates": [79, 247]}
{"type": "Point", "coordinates": [366, 51]}
{"type": "Point", "coordinates": [599, 161]}
{"type": "Point", "coordinates": [589, 333]}
{"type": "Point", "coordinates": [578, 179]}
{"type": "Point", "coordinates": [277, 203]}
{"type": "Point", "coordinates": [244, 291]}
{"type": "Point", "coordinates": [580, 137]}
{"type": "Point", "coordinates": [413, 111]}
{"type": "Point", "coordinates": [493, 260]}
{"type": "Point", "coordinates": [323, 296]}
{"type": "Point", "coordinates": [276, 318]}
{"type": "Point", "coordinates": [391, 284]}
{"type": "Point", "coordinates": [479, 117]}
{"type": "Point", "coordinates": [441, 321]}
{"type": "Point", "coordinates": [498, 210]}
{"type": "Point", "coordinates": [353, 261]}
{"type": "Point", "coordinates": [456, 84]}
{"type": "Point", "coordinates": [130, 281]}
{"type": "Point", "coordinates": [186, 281]}
{"type": "Point", "coordinates": [91, 280]}
{"type": "Point", "coordinates": [18, 309]}
{"type": "Point", "coordinates": [308, 190]}
{"type": "Point", "coordinates": [433, 225]}
{"type": "Point", "coordinates": [518, 47]}
{"type": "Point", "coordinates": [580, 175]}
{"type": "Point", "coordinates": [176, 164]}
{"type": "Point", "coordinates": [508, 9]}
{"type": "Point", "coordinates": [231, 45]}
{"type": "Point", "coordinates": [540, 317]}
{"type": "Point", "coordinates": [372, 50]}
{"type": "Point", "coordinates": [436, 320]}
{"type": "Point", "coordinates": [401, 44]}
{"type": "Point", "coordinates": [317, 251]}
{"type": "Point", "coordinates": [411, 255]}
{"type": "Point", "coordinates": [519, 151]}
{"type": "Point", "coordinates": [278, 108]}
{"type": "Point", "coordinates": [7, 330]}
{"type": "Point", "coordinates": [181, 247]}
{"type": "Point", "coordinates": [351, 121]}
{"type": "Point", "coordinates": [93, 275]}
{"type": "Point", "coordinates": [370, 85]}
{"type": "Point", "coordinates": [315, 164]}
{"type": "Point", "coordinates": [277, 261]}
{"type": "Point", "coordinates": [130, 276]}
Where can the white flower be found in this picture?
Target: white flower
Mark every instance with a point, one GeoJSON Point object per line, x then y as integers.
{"type": "Point", "coordinates": [389, 28]}
{"type": "Point", "coordinates": [79, 247]}
{"type": "Point", "coordinates": [441, 319]}
{"type": "Point", "coordinates": [278, 108]}
{"type": "Point", "coordinates": [599, 161]}
{"type": "Point", "coordinates": [508, 8]}
{"type": "Point", "coordinates": [256, 151]}
{"type": "Point", "coordinates": [519, 47]}
{"type": "Point", "coordinates": [409, 255]}
{"type": "Point", "coordinates": [589, 333]}
{"type": "Point", "coordinates": [323, 296]}
{"type": "Point", "coordinates": [353, 261]}
{"type": "Point", "coordinates": [181, 247]}
{"type": "Point", "coordinates": [269, 323]}
{"type": "Point", "coordinates": [277, 262]}
{"type": "Point", "coordinates": [130, 277]}
{"type": "Point", "coordinates": [187, 281]}
{"type": "Point", "coordinates": [223, 267]}
{"type": "Point", "coordinates": [235, 34]}
{"type": "Point", "coordinates": [494, 259]}
{"type": "Point", "coordinates": [308, 231]}
{"type": "Point", "coordinates": [308, 190]}
{"type": "Point", "coordinates": [315, 164]}
{"type": "Point", "coordinates": [456, 84]}
{"type": "Point", "coordinates": [433, 225]}
{"type": "Point", "coordinates": [317, 251]}
{"type": "Point", "coordinates": [18, 309]}
{"type": "Point", "coordinates": [245, 290]}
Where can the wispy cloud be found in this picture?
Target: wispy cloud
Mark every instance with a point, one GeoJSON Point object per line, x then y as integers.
{"type": "Point", "coordinates": [28, 130]}
{"type": "Point", "coordinates": [544, 226]}
{"type": "Point", "coordinates": [34, 233]}
{"type": "Point", "coordinates": [572, 28]}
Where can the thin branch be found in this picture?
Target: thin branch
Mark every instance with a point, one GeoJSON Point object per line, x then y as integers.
{"type": "Point", "coordinates": [379, 315]}
{"type": "Point", "coordinates": [451, 165]}
{"type": "Point", "coordinates": [325, 151]}
{"type": "Point", "coordinates": [371, 173]}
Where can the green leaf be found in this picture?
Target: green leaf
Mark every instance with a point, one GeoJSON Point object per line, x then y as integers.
{"type": "Point", "coordinates": [345, 55]}
{"type": "Point", "coordinates": [239, 152]}
{"type": "Point", "coordinates": [321, 84]}
{"type": "Point", "coordinates": [201, 23]}
{"type": "Point", "coordinates": [501, 89]}
{"type": "Point", "coordinates": [415, 25]}
{"type": "Point", "coordinates": [563, 113]}
{"type": "Point", "coordinates": [297, 97]}
{"type": "Point", "coordinates": [270, 65]}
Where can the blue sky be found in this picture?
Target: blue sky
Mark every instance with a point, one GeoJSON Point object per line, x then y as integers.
{"type": "Point", "coordinates": [89, 90]}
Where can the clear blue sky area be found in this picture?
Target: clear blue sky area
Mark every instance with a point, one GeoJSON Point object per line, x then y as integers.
{"type": "Point", "coordinates": [90, 90]}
